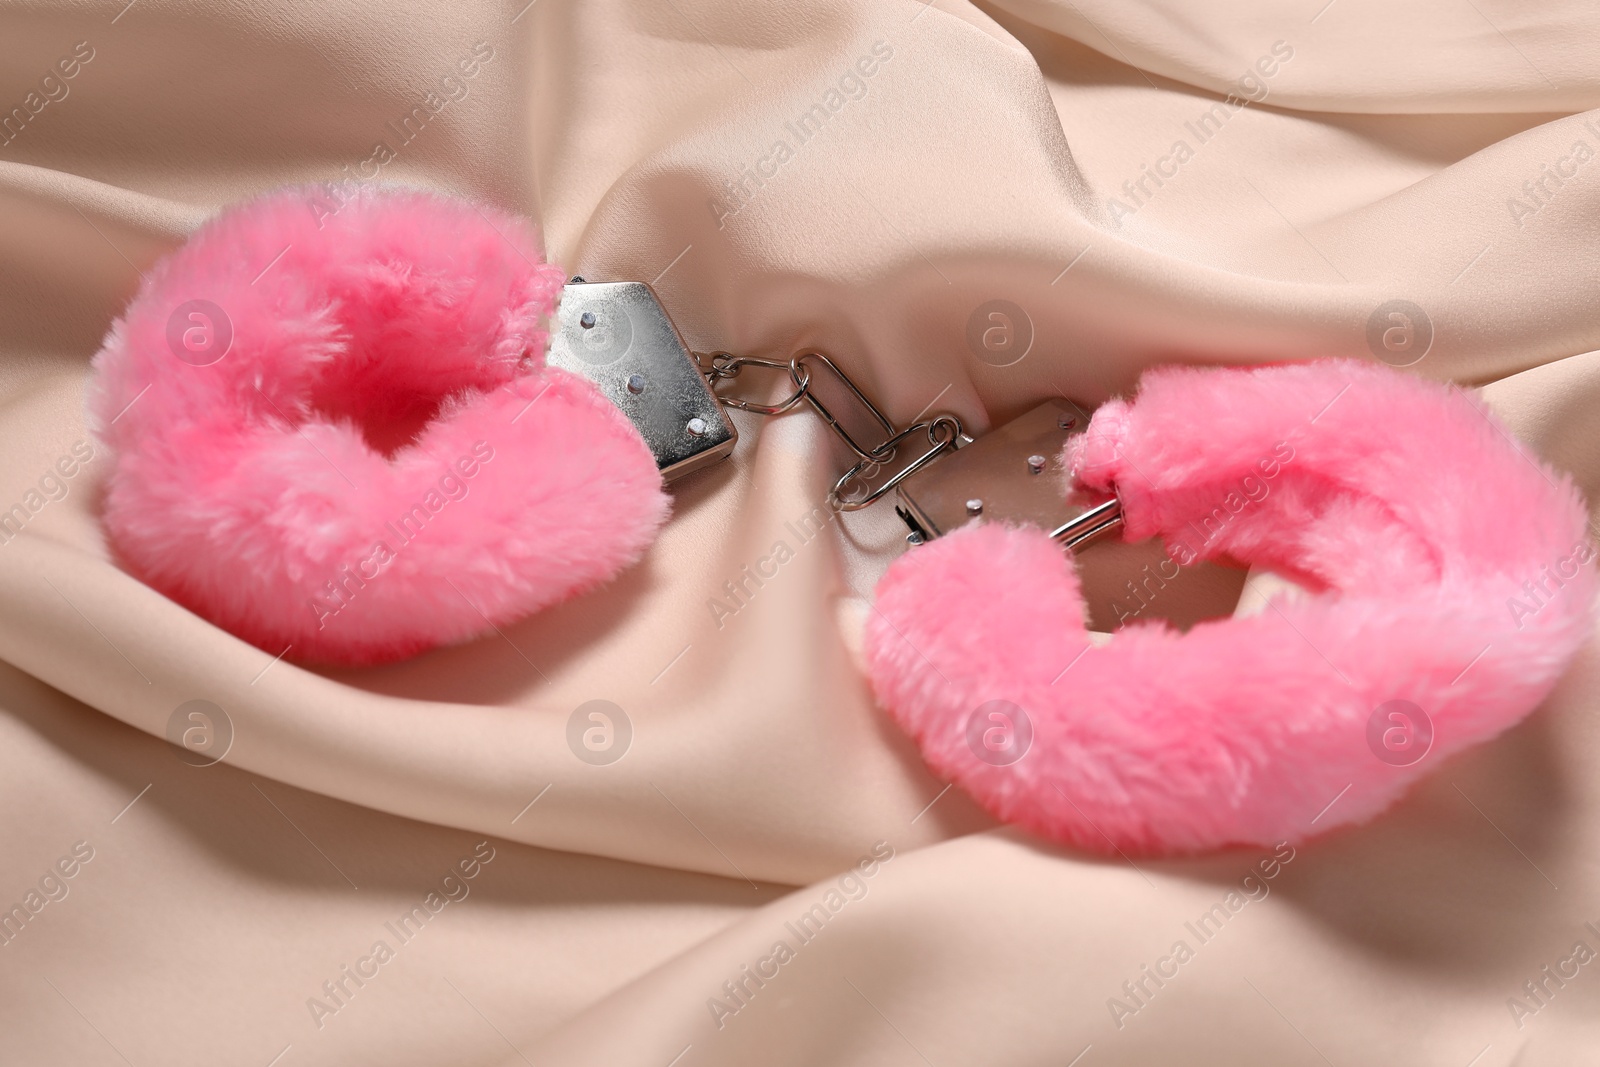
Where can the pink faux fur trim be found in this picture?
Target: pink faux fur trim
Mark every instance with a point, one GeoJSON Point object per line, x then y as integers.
{"type": "Point", "coordinates": [1451, 570]}
{"type": "Point", "coordinates": [380, 463]}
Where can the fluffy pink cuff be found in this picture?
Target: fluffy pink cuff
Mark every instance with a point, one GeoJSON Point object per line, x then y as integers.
{"type": "Point", "coordinates": [1452, 583]}
{"type": "Point", "coordinates": [333, 429]}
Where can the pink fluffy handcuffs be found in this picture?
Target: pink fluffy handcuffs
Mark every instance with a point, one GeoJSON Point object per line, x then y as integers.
{"type": "Point", "coordinates": [335, 433]}
{"type": "Point", "coordinates": [339, 431]}
{"type": "Point", "coordinates": [1451, 582]}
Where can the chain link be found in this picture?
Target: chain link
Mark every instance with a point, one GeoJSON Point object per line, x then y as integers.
{"type": "Point", "coordinates": [944, 432]}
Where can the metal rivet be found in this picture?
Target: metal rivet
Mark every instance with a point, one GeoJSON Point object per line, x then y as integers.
{"type": "Point", "coordinates": [913, 538]}
{"type": "Point", "coordinates": [586, 320]}
{"type": "Point", "coordinates": [635, 383]}
{"type": "Point", "coordinates": [974, 506]}
{"type": "Point", "coordinates": [1036, 464]}
{"type": "Point", "coordinates": [1066, 422]}
{"type": "Point", "coordinates": [697, 426]}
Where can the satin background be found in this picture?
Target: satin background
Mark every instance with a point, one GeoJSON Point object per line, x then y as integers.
{"type": "Point", "coordinates": [978, 164]}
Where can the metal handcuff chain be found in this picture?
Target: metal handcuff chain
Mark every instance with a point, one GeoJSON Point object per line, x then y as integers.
{"type": "Point", "coordinates": [944, 432]}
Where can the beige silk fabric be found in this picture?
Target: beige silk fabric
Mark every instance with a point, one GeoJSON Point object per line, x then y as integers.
{"type": "Point", "coordinates": [1371, 152]}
